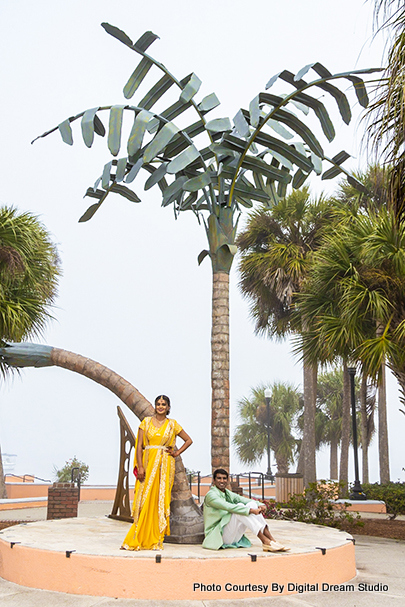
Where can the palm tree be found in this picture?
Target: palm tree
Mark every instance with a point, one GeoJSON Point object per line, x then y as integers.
{"type": "Point", "coordinates": [276, 254]}
{"type": "Point", "coordinates": [320, 348]}
{"type": "Point", "coordinates": [387, 112]}
{"type": "Point", "coordinates": [321, 422]}
{"type": "Point", "coordinates": [29, 270]}
{"type": "Point", "coordinates": [354, 299]}
{"type": "Point", "coordinates": [250, 436]}
{"type": "Point", "coordinates": [373, 198]}
{"type": "Point", "coordinates": [241, 162]}
{"type": "Point", "coordinates": [367, 398]}
{"type": "Point", "coordinates": [330, 404]}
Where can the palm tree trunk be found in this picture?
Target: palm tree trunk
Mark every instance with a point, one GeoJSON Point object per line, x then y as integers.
{"type": "Point", "coordinates": [300, 463]}
{"type": "Point", "coordinates": [333, 470]}
{"type": "Point", "coordinates": [3, 490]}
{"type": "Point", "coordinates": [344, 445]}
{"type": "Point", "coordinates": [308, 441]}
{"type": "Point", "coordinates": [383, 428]}
{"type": "Point", "coordinates": [220, 371]}
{"type": "Point", "coordinates": [364, 429]}
{"type": "Point", "coordinates": [282, 464]}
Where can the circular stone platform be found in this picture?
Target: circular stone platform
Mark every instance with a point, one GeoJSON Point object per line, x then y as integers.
{"type": "Point", "coordinates": [82, 556]}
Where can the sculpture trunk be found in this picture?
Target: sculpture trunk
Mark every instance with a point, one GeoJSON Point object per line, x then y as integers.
{"type": "Point", "coordinates": [220, 371]}
{"type": "Point", "coordinates": [186, 520]}
{"type": "Point", "coordinates": [125, 391]}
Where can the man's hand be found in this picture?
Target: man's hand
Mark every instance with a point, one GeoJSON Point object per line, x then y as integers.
{"type": "Point", "coordinates": [254, 511]}
{"type": "Point", "coordinates": [262, 508]}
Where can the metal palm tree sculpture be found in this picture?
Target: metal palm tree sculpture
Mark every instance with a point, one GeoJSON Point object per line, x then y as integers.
{"type": "Point", "coordinates": [242, 161]}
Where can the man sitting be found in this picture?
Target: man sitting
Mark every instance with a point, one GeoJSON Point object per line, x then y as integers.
{"type": "Point", "coordinates": [227, 514]}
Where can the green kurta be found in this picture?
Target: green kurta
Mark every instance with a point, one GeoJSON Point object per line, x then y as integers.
{"type": "Point", "coordinates": [218, 507]}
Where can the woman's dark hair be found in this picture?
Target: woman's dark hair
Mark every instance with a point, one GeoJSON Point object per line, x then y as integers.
{"type": "Point", "coordinates": [220, 471]}
{"type": "Point", "coordinates": [165, 398]}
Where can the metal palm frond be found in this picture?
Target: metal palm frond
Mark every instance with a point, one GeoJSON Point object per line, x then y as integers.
{"type": "Point", "coordinates": [247, 160]}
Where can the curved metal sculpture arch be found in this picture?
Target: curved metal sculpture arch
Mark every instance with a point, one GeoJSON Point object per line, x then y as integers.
{"type": "Point", "coordinates": [186, 520]}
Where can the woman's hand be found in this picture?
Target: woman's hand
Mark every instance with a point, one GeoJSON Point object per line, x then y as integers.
{"type": "Point", "coordinates": [187, 443]}
{"type": "Point", "coordinates": [170, 451]}
{"type": "Point", "coordinates": [141, 474]}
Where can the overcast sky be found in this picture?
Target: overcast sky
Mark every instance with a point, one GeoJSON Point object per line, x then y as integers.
{"type": "Point", "coordinates": [132, 295]}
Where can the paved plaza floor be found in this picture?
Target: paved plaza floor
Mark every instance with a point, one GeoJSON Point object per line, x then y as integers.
{"type": "Point", "coordinates": [380, 580]}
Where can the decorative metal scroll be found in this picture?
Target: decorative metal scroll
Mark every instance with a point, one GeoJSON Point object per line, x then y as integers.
{"type": "Point", "coordinates": [121, 509]}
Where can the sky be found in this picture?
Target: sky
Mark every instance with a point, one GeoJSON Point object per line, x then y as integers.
{"type": "Point", "coordinates": [132, 295]}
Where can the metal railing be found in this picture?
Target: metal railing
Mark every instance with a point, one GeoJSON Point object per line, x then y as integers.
{"type": "Point", "coordinates": [78, 479]}
{"type": "Point", "coordinates": [257, 478]}
{"type": "Point", "coordinates": [191, 478]}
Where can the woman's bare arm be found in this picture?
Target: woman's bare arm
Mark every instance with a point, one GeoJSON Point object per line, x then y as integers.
{"type": "Point", "coordinates": [139, 456]}
{"type": "Point", "coordinates": [185, 445]}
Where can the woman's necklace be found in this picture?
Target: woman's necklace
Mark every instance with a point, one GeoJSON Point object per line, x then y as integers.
{"type": "Point", "coordinates": [159, 423]}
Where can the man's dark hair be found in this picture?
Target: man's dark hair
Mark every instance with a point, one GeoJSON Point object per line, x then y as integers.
{"type": "Point", "coordinates": [220, 471]}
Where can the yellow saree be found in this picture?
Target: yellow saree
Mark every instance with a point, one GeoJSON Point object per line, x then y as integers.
{"type": "Point", "coordinates": [151, 507]}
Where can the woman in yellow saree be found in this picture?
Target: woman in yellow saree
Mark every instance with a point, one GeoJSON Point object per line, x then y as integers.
{"type": "Point", "coordinates": [154, 460]}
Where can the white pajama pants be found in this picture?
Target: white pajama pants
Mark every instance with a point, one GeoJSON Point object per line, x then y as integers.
{"type": "Point", "coordinates": [233, 531]}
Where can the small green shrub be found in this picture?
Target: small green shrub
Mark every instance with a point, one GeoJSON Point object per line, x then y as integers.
{"type": "Point", "coordinates": [316, 505]}
{"type": "Point", "coordinates": [64, 475]}
{"type": "Point", "coordinates": [393, 494]}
